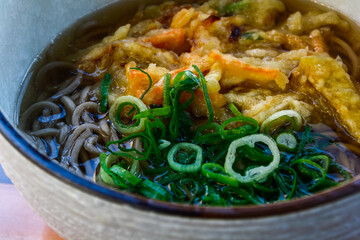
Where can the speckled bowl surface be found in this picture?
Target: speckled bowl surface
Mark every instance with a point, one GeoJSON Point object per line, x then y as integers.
{"type": "Point", "coordinates": [79, 209]}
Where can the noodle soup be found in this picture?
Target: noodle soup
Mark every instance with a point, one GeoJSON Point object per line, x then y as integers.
{"type": "Point", "coordinates": [231, 103]}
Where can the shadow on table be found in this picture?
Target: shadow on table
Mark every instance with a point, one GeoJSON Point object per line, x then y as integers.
{"type": "Point", "coordinates": [3, 177]}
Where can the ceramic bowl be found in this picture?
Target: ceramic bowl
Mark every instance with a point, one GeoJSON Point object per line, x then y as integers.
{"type": "Point", "coordinates": [79, 209]}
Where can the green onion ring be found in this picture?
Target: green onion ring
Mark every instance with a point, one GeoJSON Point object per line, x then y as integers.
{"type": "Point", "coordinates": [290, 113]}
{"type": "Point", "coordinates": [286, 142]}
{"type": "Point", "coordinates": [194, 167]}
{"type": "Point", "coordinates": [257, 173]}
{"type": "Point", "coordinates": [321, 159]}
{"type": "Point", "coordinates": [209, 137]}
{"type": "Point", "coordinates": [281, 124]}
{"type": "Point", "coordinates": [250, 127]}
{"type": "Point", "coordinates": [139, 126]}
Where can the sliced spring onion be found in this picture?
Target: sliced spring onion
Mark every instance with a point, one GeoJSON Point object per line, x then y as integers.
{"type": "Point", "coordinates": [281, 124]}
{"type": "Point", "coordinates": [217, 173]}
{"type": "Point", "coordinates": [191, 187]}
{"type": "Point", "coordinates": [305, 169]}
{"type": "Point", "coordinates": [286, 142]}
{"type": "Point", "coordinates": [166, 93]}
{"type": "Point", "coordinates": [160, 132]}
{"type": "Point", "coordinates": [159, 170]}
{"type": "Point", "coordinates": [187, 168]}
{"type": "Point", "coordinates": [282, 179]}
{"type": "Point", "coordinates": [289, 113]}
{"type": "Point", "coordinates": [164, 144]}
{"type": "Point", "coordinates": [174, 122]}
{"type": "Point", "coordinates": [312, 170]}
{"type": "Point", "coordinates": [321, 159]}
{"type": "Point", "coordinates": [211, 196]}
{"type": "Point", "coordinates": [242, 196]}
{"type": "Point", "coordinates": [177, 192]}
{"type": "Point", "coordinates": [132, 153]}
{"type": "Point", "coordinates": [257, 173]}
{"type": "Point", "coordinates": [249, 126]}
{"type": "Point", "coordinates": [105, 175]}
{"type": "Point", "coordinates": [186, 80]}
{"type": "Point", "coordinates": [187, 102]}
{"type": "Point", "coordinates": [255, 155]}
{"type": "Point", "coordinates": [183, 82]}
{"type": "Point", "coordinates": [115, 112]}
{"type": "Point", "coordinates": [125, 175]}
{"type": "Point", "coordinates": [158, 125]}
{"type": "Point", "coordinates": [154, 191]}
{"type": "Point", "coordinates": [218, 153]}
{"type": "Point", "coordinates": [177, 79]}
{"type": "Point", "coordinates": [212, 137]}
{"type": "Point", "coordinates": [206, 94]}
{"type": "Point", "coordinates": [214, 200]}
{"type": "Point", "coordinates": [264, 189]}
{"type": "Point", "coordinates": [235, 110]}
{"type": "Point", "coordinates": [104, 90]}
{"type": "Point", "coordinates": [155, 112]}
{"type": "Point", "coordinates": [171, 177]}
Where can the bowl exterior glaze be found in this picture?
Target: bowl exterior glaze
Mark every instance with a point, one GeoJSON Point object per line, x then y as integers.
{"type": "Point", "coordinates": [77, 214]}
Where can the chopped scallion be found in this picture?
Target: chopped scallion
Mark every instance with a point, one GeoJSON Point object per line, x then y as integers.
{"type": "Point", "coordinates": [104, 90]}
{"type": "Point", "coordinates": [185, 167]}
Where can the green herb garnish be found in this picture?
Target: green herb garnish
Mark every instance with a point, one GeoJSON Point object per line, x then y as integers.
{"type": "Point", "coordinates": [216, 164]}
